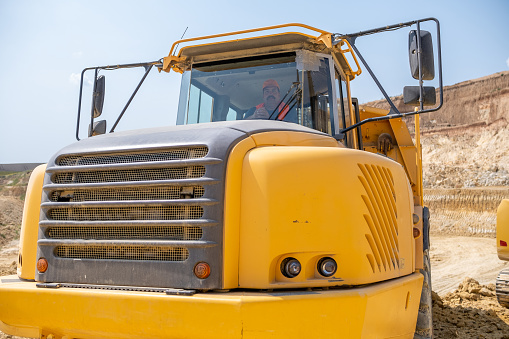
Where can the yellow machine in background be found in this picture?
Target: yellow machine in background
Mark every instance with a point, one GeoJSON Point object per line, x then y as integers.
{"type": "Point", "coordinates": [305, 220]}
{"type": "Point", "coordinates": [502, 286]}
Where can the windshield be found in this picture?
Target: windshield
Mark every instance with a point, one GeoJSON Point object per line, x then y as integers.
{"type": "Point", "coordinates": [294, 87]}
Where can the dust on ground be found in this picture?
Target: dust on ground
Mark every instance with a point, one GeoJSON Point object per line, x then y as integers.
{"type": "Point", "coordinates": [470, 311]}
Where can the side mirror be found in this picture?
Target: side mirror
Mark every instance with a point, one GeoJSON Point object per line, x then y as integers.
{"type": "Point", "coordinates": [99, 96]}
{"type": "Point", "coordinates": [411, 95]}
{"type": "Point", "coordinates": [99, 127]}
{"type": "Point", "coordinates": [428, 64]}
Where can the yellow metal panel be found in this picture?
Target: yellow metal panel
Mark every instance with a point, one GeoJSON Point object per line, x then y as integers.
{"type": "Point", "coordinates": [232, 212]}
{"type": "Point", "coordinates": [503, 229]}
{"type": "Point", "coordinates": [406, 147]}
{"type": "Point", "coordinates": [384, 310]}
{"type": "Point", "coordinates": [299, 202]}
{"type": "Point", "coordinates": [30, 224]}
{"type": "Point", "coordinates": [233, 189]}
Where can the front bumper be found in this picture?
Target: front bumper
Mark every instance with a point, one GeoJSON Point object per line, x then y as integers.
{"type": "Point", "coordinates": [382, 310]}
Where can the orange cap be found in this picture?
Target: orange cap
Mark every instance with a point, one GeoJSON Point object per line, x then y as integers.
{"type": "Point", "coordinates": [270, 82]}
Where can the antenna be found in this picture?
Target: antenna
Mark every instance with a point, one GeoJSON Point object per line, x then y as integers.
{"type": "Point", "coordinates": [182, 37]}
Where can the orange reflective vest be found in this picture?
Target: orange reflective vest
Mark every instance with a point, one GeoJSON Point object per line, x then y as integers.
{"type": "Point", "coordinates": [282, 109]}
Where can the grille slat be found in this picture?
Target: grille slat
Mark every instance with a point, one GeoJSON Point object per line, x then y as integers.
{"type": "Point", "coordinates": [128, 213]}
{"type": "Point", "coordinates": [121, 194]}
{"type": "Point", "coordinates": [175, 173]}
{"type": "Point", "coordinates": [118, 185]}
{"type": "Point", "coordinates": [134, 157]}
{"type": "Point", "coordinates": [122, 253]}
{"type": "Point", "coordinates": [116, 232]}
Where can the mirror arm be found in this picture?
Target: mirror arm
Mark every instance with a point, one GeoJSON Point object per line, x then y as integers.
{"type": "Point", "coordinates": [79, 104]}
{"type": "Point", "coordinates": [393, 110]}
{"type": "Point", "coordinates": [90, 129]}
{"type": "Point", "coordinates": [399, 115]}
{"type": "Point", "coordinates": [147, 70]}
{"type": "Point", "coordinates": [158, 64]}
{"type": "Point", "coordinates": [419, 62]}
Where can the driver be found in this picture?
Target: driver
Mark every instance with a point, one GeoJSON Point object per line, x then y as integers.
{"type": "Point", "coordinates": [271, 99]}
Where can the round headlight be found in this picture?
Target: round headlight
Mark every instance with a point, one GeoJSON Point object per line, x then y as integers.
{"type": "Point", "coordinates": [327, 267]}
{"type": "Point", "coordinates": [290, 267]}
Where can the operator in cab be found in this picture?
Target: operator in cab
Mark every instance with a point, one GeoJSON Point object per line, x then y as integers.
{"type": "Point", "coordinates": [271, 99]}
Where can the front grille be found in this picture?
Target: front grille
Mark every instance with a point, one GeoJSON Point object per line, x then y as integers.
{"type": "Point", "coordinates": [122, 253]}
{"type": "Point", "coordinates": [176, 173]}
{"type": "Point", "coordinates": [122, 158]}
{"type": "Point", "coordinates": [126, 232]}
{"type": "Point", "coordinates": [162, 197]}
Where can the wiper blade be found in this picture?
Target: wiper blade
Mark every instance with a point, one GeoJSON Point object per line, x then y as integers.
{"type": "Point", "coordinates": [291, 101]}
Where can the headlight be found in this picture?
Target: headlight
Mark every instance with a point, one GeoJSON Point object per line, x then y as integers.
{"type": "Point", "coordinates": [290, 267]}
{"type": "Point", "coordinates": [327, 266]}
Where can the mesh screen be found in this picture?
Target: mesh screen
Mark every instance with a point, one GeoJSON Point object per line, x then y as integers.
{"type": "Point", "coordinates": [122, 252]}
{"type": "Point", "coordinates": [120, 232]}
{"type": "Point", "coordinates": [138, 193]}
{"type": "Point", "coordinates": [174, 154]}
{"type": "Point", "coordinates": [187, 172]}
{"type": "Point", "coordinates": [127, 213]}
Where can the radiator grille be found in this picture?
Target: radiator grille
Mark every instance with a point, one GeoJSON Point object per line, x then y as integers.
{"type": "Point", "coordinates": [127, 213]}
{"type": "Point", "coordinates": [130, 232]}
{"type": "Point", "coordinates": [120, 209]}
{"type": "Point", "coordinates": [174, 154]}
{"type": "Point", "coordinates": [122, 252]}
{"type": "Point", "coordinates": [187, 172]}
{"type": "Point", "coordinates": [380, 200]}
{"type": "Point", "coordinates": [136, 193]}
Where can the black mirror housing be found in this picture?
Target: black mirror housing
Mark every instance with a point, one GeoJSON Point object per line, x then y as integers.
{"type": "Point", "coordinates": [411, 95]}
{"type": "Point", "coordinates": [427, 59]}
{"type": "Point", "coordinates": [99, 127]}
{"type": "Point", "coordinates": [99, 96]}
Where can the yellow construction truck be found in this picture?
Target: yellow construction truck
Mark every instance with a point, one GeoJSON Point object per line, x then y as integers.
{"type": "Point", "coordinates": [276, 207]}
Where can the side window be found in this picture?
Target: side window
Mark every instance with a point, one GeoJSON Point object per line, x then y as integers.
{"type": "Point", "coordinates": [344, 109]}
{"type": "Point", "coordinates": [200, 106]}
{"type": "Point", "coordinates": [317, 90]}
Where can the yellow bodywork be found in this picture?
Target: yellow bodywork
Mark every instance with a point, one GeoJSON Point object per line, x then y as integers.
{"type": "Point", "coordinates": [30, 224]}
{"type": "Point", "coordinates": [386, 310]}
{"type": "Point", "coordinates": [503, 230]}
{"type": "Point", "coordinates": [287, 194]}
{"type": "Point", "coordinates": [276, 206]}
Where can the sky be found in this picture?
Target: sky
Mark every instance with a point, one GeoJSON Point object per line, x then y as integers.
{"type": "Point", "coordinates": [44, 46]}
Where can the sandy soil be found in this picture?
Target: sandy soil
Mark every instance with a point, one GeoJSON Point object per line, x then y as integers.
{"type": "Point", "coordinates": [453, 258]}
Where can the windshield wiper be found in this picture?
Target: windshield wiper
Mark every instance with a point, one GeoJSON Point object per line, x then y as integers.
{"type": "Point", "coordinates": [293, 100]}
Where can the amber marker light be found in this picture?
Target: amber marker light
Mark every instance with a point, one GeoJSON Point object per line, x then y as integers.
{"type": "Point", "coordinates": [42, 265]}
{"type": "Point", "coordinates": [202, 270]}
{"type": "Point", "coordinates": [417, 232]}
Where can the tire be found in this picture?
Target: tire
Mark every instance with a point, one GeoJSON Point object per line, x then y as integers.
{"type": "Point", "coordinates": [502, 288]}
{"type": "Point", "coordinates": [424, 326]}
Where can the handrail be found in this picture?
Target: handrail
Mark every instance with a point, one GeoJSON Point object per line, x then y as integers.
{"type": "Point", "coordinates": [268, 28]}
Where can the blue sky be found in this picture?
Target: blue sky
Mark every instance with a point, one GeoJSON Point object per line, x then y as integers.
{"type": "Point", "coordinates": [44, 45]}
